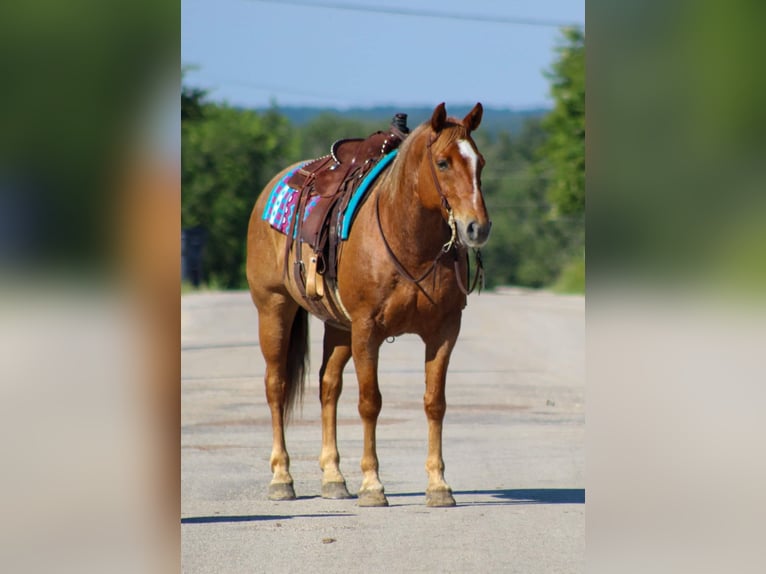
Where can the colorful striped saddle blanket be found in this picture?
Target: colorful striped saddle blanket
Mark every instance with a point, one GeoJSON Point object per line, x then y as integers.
{"type": "Point", "coordinates": [282, 205]}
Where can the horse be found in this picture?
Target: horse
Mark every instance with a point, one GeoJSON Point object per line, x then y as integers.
{"type": "Point", "coordinates": [404, 268]}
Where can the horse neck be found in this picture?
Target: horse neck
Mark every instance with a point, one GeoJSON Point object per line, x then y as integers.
{"type": "Point", "coordinates": [406, 220]}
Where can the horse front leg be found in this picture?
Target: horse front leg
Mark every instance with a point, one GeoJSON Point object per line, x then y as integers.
{"type": "Point", "coordinates": [365, 348]}
{"type": "Point", "coordinates": [438, 350]}
{"type": "Point", "coordinates": [336, 353]}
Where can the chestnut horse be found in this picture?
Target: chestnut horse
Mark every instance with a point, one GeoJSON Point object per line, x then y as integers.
{"type": "Point", "coordinates": [403, 269]}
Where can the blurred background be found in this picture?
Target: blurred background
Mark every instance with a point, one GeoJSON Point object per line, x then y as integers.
{"type": "Point", "coordinates": [266, 84]}
{"type": "Point", "coordinates": [90, 240]}
{"type": "Point", "coordinates": [89, 275]}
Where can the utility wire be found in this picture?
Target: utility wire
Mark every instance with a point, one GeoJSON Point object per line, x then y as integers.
{"type": "Point", "coordinates": [513, 20]}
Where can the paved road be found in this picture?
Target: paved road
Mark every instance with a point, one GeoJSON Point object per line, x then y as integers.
{"type": "Point", "coordinates": [513, 446]}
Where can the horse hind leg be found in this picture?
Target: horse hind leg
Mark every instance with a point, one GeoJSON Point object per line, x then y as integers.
{"type": "Point", "coordinates": [336, 353]}
{"type": "Point", "coordinates": [283, 334]}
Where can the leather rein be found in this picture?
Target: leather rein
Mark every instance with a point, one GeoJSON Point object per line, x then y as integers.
{"type": "Point", "coordinates": [446, 248]}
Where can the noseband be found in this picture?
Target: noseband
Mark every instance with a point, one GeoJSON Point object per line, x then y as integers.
{"type": "Point", "coordinates": [446, 248]}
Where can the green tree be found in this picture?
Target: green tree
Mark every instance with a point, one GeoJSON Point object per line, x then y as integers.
{"type": "Point", "coordinates": [563, 154]}
{"type": "Point", "coordinates": [318, 135]}
{"type": "Point", "coordinates": [564, 150]}
{"type": "Point", "coordinates": [535, 186]}
{"type": "Point", "coordinates": [192, 101]}
{"type": "Point", "coordinates": [528, 246]}
{"type": "Point", "coordinates": [227, 156]}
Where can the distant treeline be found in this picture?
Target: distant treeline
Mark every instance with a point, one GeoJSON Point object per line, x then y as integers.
{"type": "Point", "coordinates": [533, 181]}
{"type": "Point", "coordinates": [495, 119]}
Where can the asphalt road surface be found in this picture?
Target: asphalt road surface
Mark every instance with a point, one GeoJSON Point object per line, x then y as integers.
{"type": "Point", "coordinates": [513, 449]}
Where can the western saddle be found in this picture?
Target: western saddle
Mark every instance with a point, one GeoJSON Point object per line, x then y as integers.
{"type": "Point", "coordinates": [329, 183]}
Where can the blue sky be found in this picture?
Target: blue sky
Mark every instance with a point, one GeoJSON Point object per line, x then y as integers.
{"type": "Point", "coordinates": [250, 52]}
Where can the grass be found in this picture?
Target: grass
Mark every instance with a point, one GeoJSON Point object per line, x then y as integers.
{"type": "Point", "coordinates": [572, 278]}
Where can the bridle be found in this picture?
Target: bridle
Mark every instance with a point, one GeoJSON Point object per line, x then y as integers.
{"type": "Point", "coordinates": [449, 246]}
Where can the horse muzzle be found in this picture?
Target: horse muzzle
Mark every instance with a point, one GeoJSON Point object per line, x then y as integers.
{"type": "Point", "coordinates": [473, 233]}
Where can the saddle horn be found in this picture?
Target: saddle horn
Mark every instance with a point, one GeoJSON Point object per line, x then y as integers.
{"type": "Point", "coordinates": [400, 123]}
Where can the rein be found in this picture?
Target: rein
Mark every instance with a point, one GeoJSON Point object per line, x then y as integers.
{"type": "Point", "coordinates": [446, 248]}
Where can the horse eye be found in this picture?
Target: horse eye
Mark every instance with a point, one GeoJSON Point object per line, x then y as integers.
{"type": "Point", "coordinates": [442, 164]}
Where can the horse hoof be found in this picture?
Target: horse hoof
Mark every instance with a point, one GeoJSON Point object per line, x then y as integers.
{"type": "Point", "coordinates": [281, 491]}
{"type": "Point", "coordinates": [335, 490]}
{"type": "Point", "coordinates": [372, 498]}
{"type": "Point", "coordinates": [439, 498]}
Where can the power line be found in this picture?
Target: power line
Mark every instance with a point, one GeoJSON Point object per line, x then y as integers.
{"type": "Point", "coordinates": [513, 20]}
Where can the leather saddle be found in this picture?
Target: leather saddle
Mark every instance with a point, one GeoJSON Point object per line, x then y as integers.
{"type": "Point", "coordinates": [327, 183]}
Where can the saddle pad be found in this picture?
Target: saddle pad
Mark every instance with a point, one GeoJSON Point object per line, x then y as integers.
{"type": "Point", "coordinates": [359, 193]}
{"type": "Point", "coordinates": [282, 203]}
{"type": "Point", "coordinates": [283, 200]}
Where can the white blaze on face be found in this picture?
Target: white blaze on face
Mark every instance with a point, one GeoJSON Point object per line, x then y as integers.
{"type": "Point", "coordinates": [467, 151]}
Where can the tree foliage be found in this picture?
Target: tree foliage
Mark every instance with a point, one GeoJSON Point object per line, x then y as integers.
{"type": "Point", "coordinates": [227, 157]}
{"type": "Point", "coordinates": [191, 103]}
{"type": "Point", "coordinates": [317, 136]}
{"type": "Point", "coordinates": [564, 150]}
{"type": "Point", "coordinates": [528, 245]}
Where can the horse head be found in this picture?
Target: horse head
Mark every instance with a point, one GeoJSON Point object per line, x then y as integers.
{"type": "Point", "coordinates": [455, 166]}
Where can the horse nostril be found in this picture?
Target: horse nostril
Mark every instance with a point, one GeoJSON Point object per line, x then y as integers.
{"type": "Point", "coordinates": [473, 230]}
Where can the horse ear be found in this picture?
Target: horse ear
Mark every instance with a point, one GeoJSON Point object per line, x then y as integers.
{"type": "Point", "coordinates": [438, 118]}
{"type": "Point", "coordinates": [472, 120]}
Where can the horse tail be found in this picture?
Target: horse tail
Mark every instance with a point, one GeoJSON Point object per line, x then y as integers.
{"type": "Point", "coordinates": [297, 363]}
